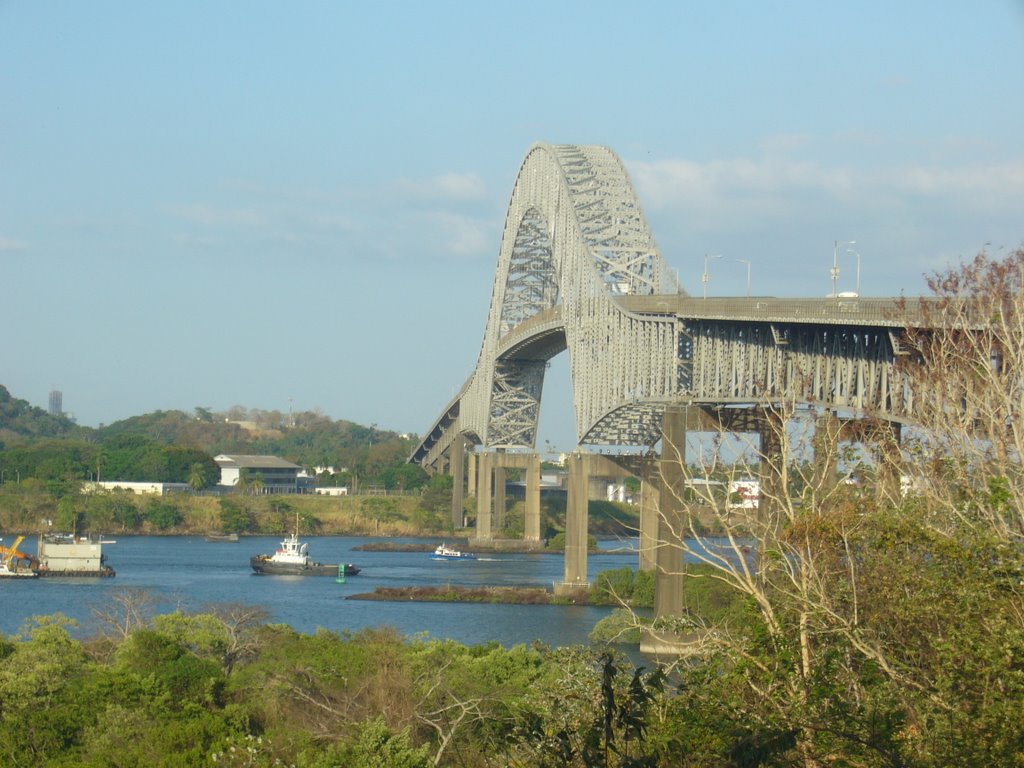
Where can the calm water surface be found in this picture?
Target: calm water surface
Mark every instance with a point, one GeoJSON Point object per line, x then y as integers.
{"type": "Point", "coordinates": [192, 573]}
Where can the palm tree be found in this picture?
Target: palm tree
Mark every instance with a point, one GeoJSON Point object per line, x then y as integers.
{"type": "Point", "coordinates": [196, 477]}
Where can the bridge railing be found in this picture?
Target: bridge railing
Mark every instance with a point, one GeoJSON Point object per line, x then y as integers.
{"type": "Point", "coordinates": [889, 312]}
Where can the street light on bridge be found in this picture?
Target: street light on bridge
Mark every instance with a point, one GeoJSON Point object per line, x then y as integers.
{"type": "Point", "coordinates": [835, 263]}
{"type": "Point", "coordinates": [706, 277]}
{"type": "Point", "coordinates": [747, 262]}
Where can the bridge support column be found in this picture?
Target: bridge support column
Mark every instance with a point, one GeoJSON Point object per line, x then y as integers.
{"type": "Point", "coordinates": [483, 497]}
{"type": "Point", "coordinates": [531, 523]}
{"type": "Point", "coordinates": [575, 576]}
{"type": "Point", "coordinates": [500, 480]}
{"type": "Point", "coordinates": [458, 477]}
{"type": "Point", "coordinates": [649, 515]}
{"type": "Point", "coordinates": [826, 452]}
{"type": "Point", "coordinates": [668, 583]}
{"type": "Point", "coordinates": [471, 471]}
{"type": "Point", "coordinates": [773, 490]}
{"type": "Point", "coordinates": [882, 440]}
{"type": "Point", "coordinates": [885, 445]}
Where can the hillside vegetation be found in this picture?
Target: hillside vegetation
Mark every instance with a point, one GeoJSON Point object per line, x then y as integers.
{"type": "Point", "coordinates": [173, 446]}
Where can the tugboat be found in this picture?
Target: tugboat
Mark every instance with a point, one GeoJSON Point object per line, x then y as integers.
{"type": "Point", "coordinates": [292, 559]}
{"type": "Point", "coordinates": [447, 553]}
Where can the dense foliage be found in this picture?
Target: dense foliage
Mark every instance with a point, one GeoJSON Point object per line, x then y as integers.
{"type": "Point", "coordinates": [851, 619]}
{"type": "Point", "coordinates": [19, 420]}
{"type": "Point", "coordinates": [223, 687]}
{"type": "Point", "coordinates": [880, 592]}
{"type": "Point", "coordinates": [172, 446]}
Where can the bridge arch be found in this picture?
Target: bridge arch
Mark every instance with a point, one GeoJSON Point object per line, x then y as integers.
{"type": "Point", "coordinates": [578, 270]}
{"type": "Point", "coordinates": [575, 241]}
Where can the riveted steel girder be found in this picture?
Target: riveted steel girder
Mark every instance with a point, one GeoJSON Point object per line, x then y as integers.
{"type": "Point", "coordinates": [579, 270]}
{"type": "Point", "coordinates": [575, 239]}
{"type": "Point", "coordinates": [851, 367]}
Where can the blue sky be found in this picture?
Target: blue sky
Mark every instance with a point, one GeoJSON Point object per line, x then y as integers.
{"type": "Point", "coordinates": [220, 203]}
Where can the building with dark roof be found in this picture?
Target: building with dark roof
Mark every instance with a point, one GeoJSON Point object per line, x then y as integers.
{"type": "Point", "coordinates": [275, 474]}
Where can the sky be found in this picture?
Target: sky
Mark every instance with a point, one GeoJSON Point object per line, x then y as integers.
{"type": "Point", "coordinates": [300, 204]}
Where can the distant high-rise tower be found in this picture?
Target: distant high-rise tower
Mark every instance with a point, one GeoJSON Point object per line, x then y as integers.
{"type": "Point", "coordinates": [56, 402]}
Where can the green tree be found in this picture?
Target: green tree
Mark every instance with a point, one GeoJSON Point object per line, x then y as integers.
{"type": "Point", "coordinates": [36, 676]}
{"type": "Point", "coordinates": [196, 477]}
{"type": "Point", "coordinates": [162, 515]}
{"type": "Point", "coordinates": [376, 746]}
{"type": "Point", "coordinates": [227, 634]}
{"type": "Point", "coordinates": [234, 516]}
{"type": "Point", "coordinates": [125, 512]}
{"type": "Point", "coordinates": [67, 514]}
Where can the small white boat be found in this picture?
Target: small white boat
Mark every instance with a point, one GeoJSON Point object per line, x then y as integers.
{"type": "Point", "coordinates": [444, 552]}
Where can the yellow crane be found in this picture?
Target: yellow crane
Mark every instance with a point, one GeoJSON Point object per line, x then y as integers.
{"type": "Point", "coordinates": [11, 556]}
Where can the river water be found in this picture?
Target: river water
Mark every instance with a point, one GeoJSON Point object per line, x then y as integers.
{"type": "Point", "coordinates": [192, 573]}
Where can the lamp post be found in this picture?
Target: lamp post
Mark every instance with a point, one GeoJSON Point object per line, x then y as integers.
{"type": "Point", "coordinates": [705, 277]}
{"type": "Point", "coordinates": [835, 263]}
{"type": "Point", "coordinates": [747, 262]}
{"type": "Point", "coordinates": [855, 253]}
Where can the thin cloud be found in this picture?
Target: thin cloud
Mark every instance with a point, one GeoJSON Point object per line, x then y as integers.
{"type": "Point", "coordinates": [775, 184]}
{"type": "Point", "coordinates": [7, 245]}
{"type": "Point", "coordinates": [448, 186]}
{"type": "Point", "coordinates": [459, 235]}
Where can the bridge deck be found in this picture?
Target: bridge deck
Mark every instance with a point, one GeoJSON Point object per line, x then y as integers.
{"type": "Point", "coordinates": [840, 311]}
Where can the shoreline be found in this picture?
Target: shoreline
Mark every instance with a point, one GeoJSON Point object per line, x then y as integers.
{"type": "Point", "coordinates": [492, 595]}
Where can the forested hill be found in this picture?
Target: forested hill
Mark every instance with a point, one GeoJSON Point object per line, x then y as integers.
{"type": "Point", "coordinates": [306, 438]}
{"type": "Point", "coordinates": [20, 419]}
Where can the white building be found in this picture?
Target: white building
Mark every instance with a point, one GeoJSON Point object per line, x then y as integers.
{"type": "Point", "coordinates": [276, 475]}
{"type": "Point", "coordinates": [157, 489]}
{"type": "Point", "coordinates": [332, 491]}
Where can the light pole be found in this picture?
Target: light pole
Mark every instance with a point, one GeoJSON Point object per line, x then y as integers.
{"type": "Point", "coordinates": [855, 253]}
{"type": "Point", "coordinates": [835, 263]}
{"type": "Point", "coordinates": [747, 262]}
{"type": "Point", "coordinates": [705, 277]}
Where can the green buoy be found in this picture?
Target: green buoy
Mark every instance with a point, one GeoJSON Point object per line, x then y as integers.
{"type": "Point", "coordinates": [341, 574]}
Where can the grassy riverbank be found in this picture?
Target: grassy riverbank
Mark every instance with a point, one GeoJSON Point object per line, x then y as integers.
{"type": "Point", "coordinates": [454, 594]}
{"type": "Point", "coordinates": [29, 507]}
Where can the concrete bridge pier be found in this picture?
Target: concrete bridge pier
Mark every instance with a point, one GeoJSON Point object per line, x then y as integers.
{"type": "Point", "coordinates": [883, 440]}
{"type": "Point", "coordinates": [458, 462]}
{"type": "Point", "coordinates": [668, 547]}
{"type": "Point", "coordinates": [773, 488]}
{"type": "Point", "coordinates": [500, 503]}
{"type": "Point", "coordinates": [650, 512]}
{"type": "Point", "coordinates": [575, 574]}
{"type": "Point", "coordinates": [531, 523]}
{"type": "Point", "coordinates": [827, 431]}
{"type": "Point", "coordinates": [890, 465]}
{"type": "Point", "coordinates": [489, 471]}
{"type": "Point", "coordinates": [668, 552]}
{"type": "Point", "coordinates": [483, 496]}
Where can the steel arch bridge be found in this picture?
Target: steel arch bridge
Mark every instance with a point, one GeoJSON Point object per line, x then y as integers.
{"type": "Point", "coordinates": [579, 270]}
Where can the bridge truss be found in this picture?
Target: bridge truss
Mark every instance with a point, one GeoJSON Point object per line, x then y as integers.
{"type": "Point", "coordinates": [579, 270]}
